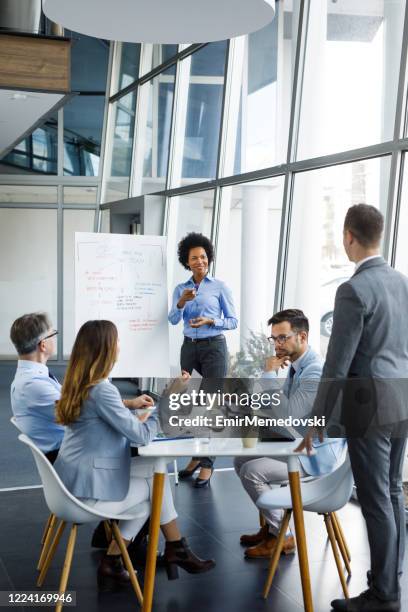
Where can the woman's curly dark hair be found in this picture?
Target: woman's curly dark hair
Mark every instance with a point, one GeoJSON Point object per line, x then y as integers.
{"type": "Point", "coordinates": [191, 241]}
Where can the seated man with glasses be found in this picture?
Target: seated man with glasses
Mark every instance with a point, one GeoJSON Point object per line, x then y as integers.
{"type": "Point", "coordinates": [290, 330]}
{"type": "Point", "coordinates": [34, 390]}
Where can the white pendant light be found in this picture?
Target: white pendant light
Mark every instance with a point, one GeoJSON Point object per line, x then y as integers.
{"type": "Point", "coordinates": [161, 21]}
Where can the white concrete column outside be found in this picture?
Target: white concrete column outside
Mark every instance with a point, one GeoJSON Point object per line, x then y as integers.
{"type": "Point", "coordinates": [254, 249]}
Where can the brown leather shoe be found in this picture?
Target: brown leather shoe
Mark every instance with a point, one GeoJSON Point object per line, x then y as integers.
{"type": "Point", "coordinates": [112, 573]}
{"type": "Point", "coordinates": [265, 549]}
{"type": "Point", "coordinates": [254, 538]}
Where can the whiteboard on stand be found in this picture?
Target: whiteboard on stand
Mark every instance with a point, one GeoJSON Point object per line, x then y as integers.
{"type": "Point", "coordinates": [123, 278]}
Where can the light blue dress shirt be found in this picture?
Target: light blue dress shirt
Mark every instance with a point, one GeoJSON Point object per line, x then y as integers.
{"type": "Point", "coordinates": [213, 300]}
{"type": "Point", "coordinates": [33, 397]}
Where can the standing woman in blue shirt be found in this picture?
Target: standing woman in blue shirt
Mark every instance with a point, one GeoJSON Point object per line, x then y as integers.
{"type": "Point", "coordinates": [205, 304]}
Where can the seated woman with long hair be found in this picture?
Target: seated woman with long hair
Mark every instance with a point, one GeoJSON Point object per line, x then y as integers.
{"type": "Point", "coordinates": [94, 461]}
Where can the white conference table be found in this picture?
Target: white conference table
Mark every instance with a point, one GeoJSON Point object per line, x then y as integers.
{"type": "Point", "coordinates": [165, 450]}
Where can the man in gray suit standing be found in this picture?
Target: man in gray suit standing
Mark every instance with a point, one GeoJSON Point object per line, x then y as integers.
{"type": "Point", "coordinates": [367, 359]}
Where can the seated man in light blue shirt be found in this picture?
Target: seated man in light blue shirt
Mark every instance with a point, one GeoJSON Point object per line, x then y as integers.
{"type": "Point", "coordinates": [290, 330]}
{"type": "Point", "coordinates": [34, 390]}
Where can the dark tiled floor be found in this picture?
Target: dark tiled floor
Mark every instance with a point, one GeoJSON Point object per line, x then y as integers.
{"type": "Point", "coordinates": [212, 519]}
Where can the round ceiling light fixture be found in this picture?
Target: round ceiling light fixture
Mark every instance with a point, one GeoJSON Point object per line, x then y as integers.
{"type": "Point", "coordinates": [161, 21]}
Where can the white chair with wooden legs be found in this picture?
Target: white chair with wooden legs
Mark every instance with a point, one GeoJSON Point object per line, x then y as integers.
{"type": "Point", "coordinates": [49, 525]}
{"type": "Point", "coordinates": [69, 509]}
{"type": "Point", "coordinates": [324, 496]}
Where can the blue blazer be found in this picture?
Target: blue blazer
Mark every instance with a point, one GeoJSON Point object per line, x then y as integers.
{"type": "Point", "coordinates": [94, 458]}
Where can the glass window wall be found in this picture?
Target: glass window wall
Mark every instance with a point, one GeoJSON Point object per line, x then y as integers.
{"type": "Point", "coordinates": [261, 88]}
{"type": "Point", "coordinates": [199, 118]}
{"type": "Point", "coordinates": [83, 120]}
{"type": "Point", "coordinates": [247, 253]}
{"type": "Point", "coordinates": [37, 153]}
{"type": "Point", "coordinates": [154, 129]}
{"type": "Point", "coordinates": [351, 75]}
{"type": "Point", "coordinates": [128, 70]}
{"type": "Point", "coordinates": [119, 148]}
{"type": "Point", "coordinates": [89, 62]}
{"type": "Point", "coordinates": [154, 55]}
{"type": "Point", "coordinates": [317, 263]}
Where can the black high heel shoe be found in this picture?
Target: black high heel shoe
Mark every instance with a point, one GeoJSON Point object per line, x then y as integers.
{"type": "Point", "coordinates": [203, 482]}
{"type": "Point", "coordinates": [179, 554]}
{"type": "Point", "coordinates": [184, 474]}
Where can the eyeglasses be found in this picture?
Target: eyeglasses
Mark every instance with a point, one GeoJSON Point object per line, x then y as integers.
{"type": "Point", "coordinates": [54, 333]}
{"type": "Point", "coordinates": [281, 339]}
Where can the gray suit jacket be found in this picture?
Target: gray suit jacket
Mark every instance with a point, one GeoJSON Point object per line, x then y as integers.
{"type": "Point", "coordinates": [94, 458]}
{"type": "Point", "coordinates": [368, 349]}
